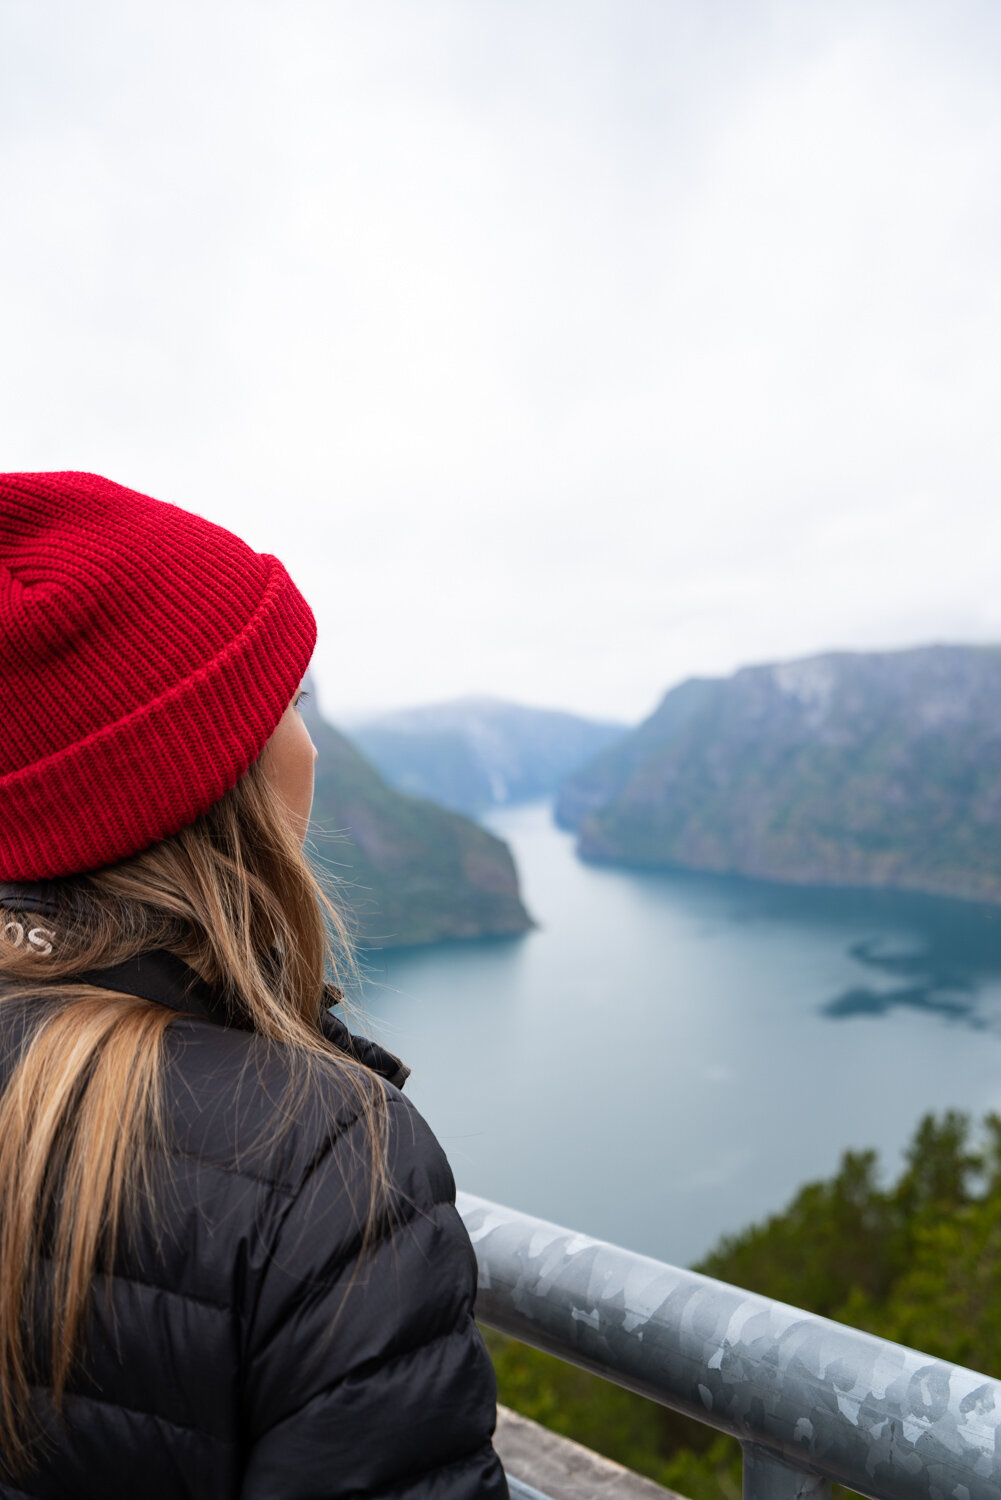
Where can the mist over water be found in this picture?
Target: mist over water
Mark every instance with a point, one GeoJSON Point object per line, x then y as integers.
{"type": "Point", "coordinates": [670, 1056]}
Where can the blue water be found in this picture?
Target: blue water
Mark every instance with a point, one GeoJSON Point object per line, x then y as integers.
{"type": "Point", "coordinates": [669, 1056]}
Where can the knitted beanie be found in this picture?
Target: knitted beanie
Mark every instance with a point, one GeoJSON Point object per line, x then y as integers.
{"type": "Point", "coordinates": [146, 656]}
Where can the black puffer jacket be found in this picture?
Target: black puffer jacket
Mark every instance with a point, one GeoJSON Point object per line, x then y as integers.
{"type": "Point", "coordinates": [247, 1351]}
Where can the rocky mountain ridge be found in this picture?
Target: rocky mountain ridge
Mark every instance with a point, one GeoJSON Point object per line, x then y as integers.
{"type": "Point", "coordinates": [874, 768]}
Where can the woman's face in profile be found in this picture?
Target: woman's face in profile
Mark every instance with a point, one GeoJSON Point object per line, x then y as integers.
{"type": "Point", "coordinates": [288, 759]}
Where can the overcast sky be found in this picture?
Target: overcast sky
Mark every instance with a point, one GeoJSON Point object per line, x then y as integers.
{"type": "Point", "coordinates": [561, 348]}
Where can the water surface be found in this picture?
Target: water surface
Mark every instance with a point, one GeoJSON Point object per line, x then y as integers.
{"type": "Point", "coordinates": [670, 1056]}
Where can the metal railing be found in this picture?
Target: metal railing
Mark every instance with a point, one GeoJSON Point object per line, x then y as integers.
{"type": "Point", "coordinates": [810, 1401]}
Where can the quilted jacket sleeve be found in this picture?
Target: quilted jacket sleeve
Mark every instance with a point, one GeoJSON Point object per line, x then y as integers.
{"type": "Point", "coordinates": [366, 1375]}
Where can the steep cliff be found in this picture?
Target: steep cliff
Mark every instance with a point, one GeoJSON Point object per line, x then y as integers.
{"type": "Point", "coordinates": [409, 872]}
{"type": "Point", "coordinates": [848, 769]}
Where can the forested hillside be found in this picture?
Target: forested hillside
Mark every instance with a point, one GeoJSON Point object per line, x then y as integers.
{"type": "Point", "coordinates": [408, 871]}
{"type": "Point", "coordinates": [917, 1261]}
{"type": "Point", "coordinates": [854, 768]}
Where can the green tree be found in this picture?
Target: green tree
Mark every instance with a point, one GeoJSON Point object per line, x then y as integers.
{"type": "Point", "coordinates": [918, 1262]}
{"type": "Point", "coordinates": [941, 1169]}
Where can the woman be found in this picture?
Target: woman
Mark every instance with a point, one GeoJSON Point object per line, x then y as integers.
{"type": "Point", "coordinates": [230, 1262]}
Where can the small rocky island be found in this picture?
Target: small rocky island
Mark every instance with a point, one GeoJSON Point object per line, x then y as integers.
{"type": "Point", "coordinates": [408, 871]}
{"type": "Point", "coordinates": [863, 769]}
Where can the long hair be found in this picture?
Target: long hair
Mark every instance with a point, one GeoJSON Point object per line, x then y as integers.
{"type": "Point", "coordinates": [232, 895]}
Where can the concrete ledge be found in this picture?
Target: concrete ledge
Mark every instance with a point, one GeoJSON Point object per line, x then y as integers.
{"type": "Point", "coordinates": [563, 1469]}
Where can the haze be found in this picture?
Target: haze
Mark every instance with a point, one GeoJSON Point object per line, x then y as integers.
{"type": "Point", "coordinates": [561, 350]}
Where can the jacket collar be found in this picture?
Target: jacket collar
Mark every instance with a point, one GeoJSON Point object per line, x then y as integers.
{"type": "Point", "coordinates": [164, 978]}
{"type": "Point", "coordinates": [29, 895]}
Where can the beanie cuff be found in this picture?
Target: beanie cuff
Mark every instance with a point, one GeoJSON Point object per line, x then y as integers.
{"type": "Point", "coordinates": [146, 776]}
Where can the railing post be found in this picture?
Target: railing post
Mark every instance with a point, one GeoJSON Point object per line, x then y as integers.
{"type": "Point", "coordinates": [767, 1477]}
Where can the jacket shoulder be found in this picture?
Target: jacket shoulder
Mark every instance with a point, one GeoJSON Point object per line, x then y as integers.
{"type": "Point", "coordinates": [240, 1102]}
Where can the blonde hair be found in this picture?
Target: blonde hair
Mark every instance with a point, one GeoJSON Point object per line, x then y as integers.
{"type": "Point", "coordinates": [81, 1116]}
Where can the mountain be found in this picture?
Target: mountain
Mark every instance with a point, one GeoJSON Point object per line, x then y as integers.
{"type": "Point", "coordinates": [878, 769]}
{"type": "Point", "coordinates": [476, 753]}
{"type": "Point", "coordinates": [411, 872]}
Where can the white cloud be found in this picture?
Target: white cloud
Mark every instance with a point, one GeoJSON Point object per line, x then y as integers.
{"type": "Point", "coordinates": [561, 350]}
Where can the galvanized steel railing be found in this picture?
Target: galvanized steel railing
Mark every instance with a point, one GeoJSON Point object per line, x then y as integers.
{"type": "Point", "coordinates": [811, 1401]}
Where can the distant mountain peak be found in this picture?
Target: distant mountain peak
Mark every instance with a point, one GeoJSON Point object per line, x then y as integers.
{"type": "Point", "coordinates": [476, 752]}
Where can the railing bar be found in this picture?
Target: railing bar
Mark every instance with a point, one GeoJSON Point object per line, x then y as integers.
{"type": "Point", "coordinates": [519, 1490]}
{"type": "Point", "coordinates": [766, 1477]}
{"type": "Point", "coordinates": [816, 1397]}
{"type": "Point", "coordinates": [528, 1333]}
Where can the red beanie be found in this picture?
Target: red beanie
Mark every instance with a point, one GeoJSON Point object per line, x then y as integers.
{"type": "Point", "coordinates": [146, 656]}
